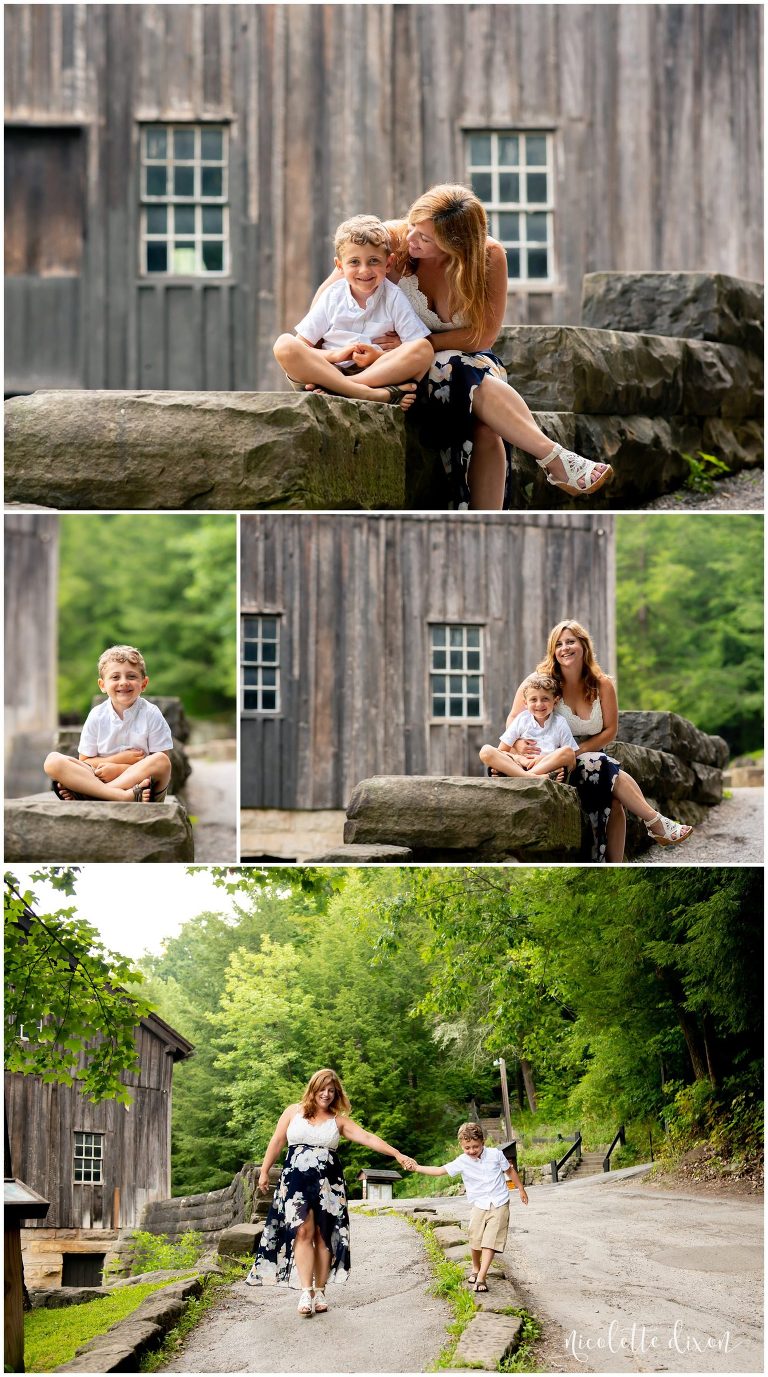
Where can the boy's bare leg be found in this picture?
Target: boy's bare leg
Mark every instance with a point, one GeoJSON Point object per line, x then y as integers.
{"type": "Point", "coordinates": [502, 761]}
{"type": "Point", "coordinates": [403, 364]}
{"type": "Point", "coordinates": [308, 366]}
{"type": "Point", "coordinates": [562, 759]}
{"type": "Point", "coordinates": [78, 778]}
{"type": "Point", "coordinates": [486, 1258]}
{"type": "Point", "coordinates": [156, 767]}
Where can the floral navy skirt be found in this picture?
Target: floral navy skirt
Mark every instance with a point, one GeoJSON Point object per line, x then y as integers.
{"type": "Point", "coordinates": [312, 1179]}
{"type": "Point", "coordinates": [447, 391]}
{"type": "Point", "coordinates": [593, 779]}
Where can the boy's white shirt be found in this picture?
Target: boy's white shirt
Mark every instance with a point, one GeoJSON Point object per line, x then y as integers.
{"type": "Point", "coordinates": [550, 737]}
{"type": "Point", "coordinates": [484, 1177]}
{"type": "Point", "coordinates": [142, 727]}
{"type": "Point", "coordinates": [336, 318]}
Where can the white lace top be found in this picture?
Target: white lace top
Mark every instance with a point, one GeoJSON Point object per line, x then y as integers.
{"type": "Point", "coordinates": [410, 285]}
{"type": "Point", "coordinates": [325, 1135]}
{"type": "Point", "coordinates": [582, 726]}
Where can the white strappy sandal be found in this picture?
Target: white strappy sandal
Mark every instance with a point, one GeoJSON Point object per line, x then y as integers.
{"type": "Point", "coordinates": [320, 1303]}
{"type": "Point", "coordinates": [579, 480]}
{"type": "Point", "coordinates": [672, 833]}
{"type": "Point", "coordinates": [306, 1306]}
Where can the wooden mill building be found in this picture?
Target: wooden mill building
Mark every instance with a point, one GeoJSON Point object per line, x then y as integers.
{"type": "Point", "coordinates": [393, 644]}
{"type": "Point", "coordinates": [97, 1164]}
{"type": "Point", "coordinates": [174, 173]}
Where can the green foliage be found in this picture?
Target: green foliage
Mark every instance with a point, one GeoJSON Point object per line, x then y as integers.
{"type": "Point", "coordinates": [689, 614]}
{"type": "Point", "coordinates": [449, 1286]}
{"type": "Point", "coordinates": [523, 1359]}
{"type": "Point", "coordinates": [156, 1252]}
{"type": "Point", "coordinates": [703, 469]}
{"type": "Point", "coordinates": [164, 583]}
{"type": "Point", "coordinates": [730, 1125]}
{"type": "Point", "coordinates": [52, 1337]}
{"type": "Point", "coordinates": [70, 1016]}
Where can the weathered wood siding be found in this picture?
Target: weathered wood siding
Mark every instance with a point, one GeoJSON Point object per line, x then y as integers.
{"type": "Point", "coordinates": [333, 109]}
{"type": "Point", "coordinates": [42, 1121]}
{"type": "Point", "coordinates": [31, 622]}
{"type": "Point", "coordinates": [356, 595]}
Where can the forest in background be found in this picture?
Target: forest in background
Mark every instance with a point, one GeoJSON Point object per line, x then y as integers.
{"type": "Point", "coordinates": [615, 996]}
{"type": "Point", "coordinates": [689, 620]}
{"type": "Point", "coordinates": [164, 583]}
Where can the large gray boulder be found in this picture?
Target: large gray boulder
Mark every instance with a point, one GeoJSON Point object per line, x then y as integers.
{"type": "Point", "coordinates": [694, 305]}
{"type": "Point", "coordinates": [212, 450]}
{"type": "Point", "coordinates": [42, 828]}
{"type": "Point", "coordinates": [240, 1240]}
{"type": "Point", "coordinates": [667, 731]}
{"type": "Point", "coordinates": [666, 778]}
{"type": "Point", "coordinates": [593, 372]}
{"type": "Point", "coordinates": [478, 819]}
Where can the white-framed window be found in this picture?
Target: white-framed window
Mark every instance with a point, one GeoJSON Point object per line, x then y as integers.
{"type": "Point", "coordinates": [456, 672]}
{"type": "Point", "coordinates": [512, 173]}
{"type": "Point", "coordinates": [89, 1157]}
{"type": "Point", "coordinates": [184, 194]}
{"type": "Point", "coordinates": [260, 662]}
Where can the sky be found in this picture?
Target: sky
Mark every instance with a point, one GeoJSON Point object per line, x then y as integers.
{"type": "Point", "coordinates": [134, 907]}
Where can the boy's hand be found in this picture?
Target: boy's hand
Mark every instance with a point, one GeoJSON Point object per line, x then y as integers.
{"type": "Point", "coordinates": [364, 354]}
{"type": "Point", "coordinates": [106, 771]}
{"type": "Point", "coordinates": [339, 355]}
{"type": "Point", "coordinates": [523, 1194]}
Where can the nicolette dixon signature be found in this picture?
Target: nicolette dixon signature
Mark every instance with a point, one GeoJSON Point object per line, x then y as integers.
{"type": "Point", "coordinates": [639, 1338]}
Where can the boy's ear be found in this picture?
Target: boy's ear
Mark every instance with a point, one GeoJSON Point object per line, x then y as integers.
{"type": "Point", "coordinates": [337, 263]}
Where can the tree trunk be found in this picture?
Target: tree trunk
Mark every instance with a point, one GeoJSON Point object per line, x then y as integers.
{"type": "Point", "coordinates": [530, 1088]}
{"type": "Point", "coordinates": [519, 1087]}
{"type": "Point", "coordinates": [693, 1040]}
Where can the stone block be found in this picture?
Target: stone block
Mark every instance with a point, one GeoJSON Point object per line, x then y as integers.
{"type": "Point", "coordinates": [210, 450]}
{"type": "Point", "coordinates": [740, 444]}
{"type": "Point", "coordinates": [692, 305]}
{"type": "Point", "coordinates": [744, 777]}
{"type": "Point", "coordinates": [42, 828]}
{"type": "Point", "coordinates": [59, 1297]}
{"type": "Point", "coordinates": [458, 1252]}
{"type": "Point", "coordinates": [660, 775]}
{"type": "Point", "coordinates": [119, 1350]}
{"type": "Point", "coordinates": [240, 1240]}
{"type": "Point", "coordinates": [721, 380]}
{"type": "Point", "coordinates": [481, 819]}
{"type": "Point", "coordinates": [487, 1340]}
{"type": "Point", "coordinates": [593, 372]}
{"type": "Point", "coordinates": [364, 855]}
{"type": "Point", "coordinates": [668, 731]}
{"type": "Point", "coordinates": [448, 1236]}
{"type": "Point", "coordinates": [501, 1296]}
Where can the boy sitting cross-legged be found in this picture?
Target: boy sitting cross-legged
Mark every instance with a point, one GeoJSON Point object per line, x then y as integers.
{"type": "Point", "coordinates": [346, 318]}
{"type": "Point", "coordinates": [124, 742]}
{"type": "Point", "coordinates": [485, 1172]}
{"type": "Point", "coordinates": [539, 721]}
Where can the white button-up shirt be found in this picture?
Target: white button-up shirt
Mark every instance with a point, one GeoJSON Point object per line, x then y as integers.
{"type": "Point", "coordinates": [484, 1177]}
{"type": "Point", "coordinates": [336, 318]}
{"type": "Point", "coordinates": [142, 727]}
{"type": "Point", "coordinates": [550, 736]}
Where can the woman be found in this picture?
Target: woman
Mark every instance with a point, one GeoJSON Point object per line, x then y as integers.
{"type": "Point", "coordinates": [455, 277]}
{"type": "Point", "coordinates": [307, 1228]}
{"type": "Point", "coordinates": [590, 708]}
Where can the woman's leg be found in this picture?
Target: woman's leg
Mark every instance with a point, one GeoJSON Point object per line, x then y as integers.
{"type": "Point", "coordinates": [78, 778]}
{"type": "Point", "coordinates": [487, 469]}
{"type": "Point", "coordinates": [616, 833]}
{"type": "Point", "coordinates": [308, 366]}
{"type": "Point", "coordinates": [629, 793]}
{"type": "Point", "coordinates": [504, 411]}
{"type": "Point", "coordinates": [304, 1251]}
{"type": "Point", "coordinates": [322, 1262]}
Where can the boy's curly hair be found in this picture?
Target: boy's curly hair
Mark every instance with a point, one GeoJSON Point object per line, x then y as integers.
{"type": "Point", "coordinates": [362, 229]}
{"type": "Point", "coordinates": [124, 654]}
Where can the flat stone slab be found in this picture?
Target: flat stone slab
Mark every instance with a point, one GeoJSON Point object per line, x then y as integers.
{"type": "Point", "coordinates": [448, 1236]}
{"type": "Point", "coordinates": [240, 1240]}
{"type": "Point", "coordinates": [458, 1252]}
{"type": "Point", "coordinates": [667, 731]}
{"type": "Point", "coordinates": [212, 450]}
{"type": "Point", "coordinates": [40, 827]}
{"type": "Point", "coordinates": [58, 1297]}
{"type": "Point", "coordinates": [501, 1295]}
{"type": "Point", "coordinates": [364, 855]}
{"type": "Point", "coordinates": [690, 305]}
{"type": "Point", "coordinates": [487, 1340]}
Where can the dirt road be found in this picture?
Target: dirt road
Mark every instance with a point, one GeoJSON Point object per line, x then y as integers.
{"type": "Point", "coordinates": [381, 1320]}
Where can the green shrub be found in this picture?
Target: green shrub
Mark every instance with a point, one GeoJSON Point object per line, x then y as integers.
{"type": "Point", "coordinates": [156, 1252]}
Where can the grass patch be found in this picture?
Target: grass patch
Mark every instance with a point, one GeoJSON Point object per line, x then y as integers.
{"type": "Point", "coordinates": [448, 1285]}
{"type": "Point", "coordinates": [52, 1337]}
{"type": "Point", "coordinates": [523, 1359]}
{"type": "Point", "coordinates": [232, 1270]}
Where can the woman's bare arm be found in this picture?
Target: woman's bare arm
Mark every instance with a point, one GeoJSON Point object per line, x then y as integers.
{"type": "Point", "coordinates": [349, 1129]}
{"type": "Point", "coordinates": [276, 1144]}
{"type": "Point", "coordinates": [610, 707]}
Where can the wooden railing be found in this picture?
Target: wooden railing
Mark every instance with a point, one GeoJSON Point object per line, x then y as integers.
{"type": "Point", "coordinates": [556, 1167]}
{"type": "Point", "coordinates": [620, 1138]}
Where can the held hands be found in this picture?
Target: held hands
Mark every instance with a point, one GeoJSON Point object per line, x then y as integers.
{"type": "Point", "coordinates": [407, 1163]}
{"type": "Point", "coordinates": [364, 354]}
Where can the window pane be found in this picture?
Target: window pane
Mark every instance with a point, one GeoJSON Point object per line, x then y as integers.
{"type": "Point", "coordinates": [455, 683]}
{"type": "Point", "coordinates": [479, 149]}
{"type": "Point", "coordinates": [269, 628]}
{"type": "Point", "coordinates": [536, 227]}
{"type": "Point", "coordinates": [213, 255]}
{"type": "Point", "coordinates": [473, 685]}
{"type": "Point", "coordinates": [536, 150]}
{"type": "Point", "coordinates": [438, 635]}
{"type": "Point", "coordinates": [509, 225]}
{"type": "Point", "coordinates": [509, 150]}
{"type": "Point", "coordinates": [438, 659]}
{"type": "Point", "coordinates": [157, 258]}
{"type": "Point", "coordinates": [183, 258]}
{"type": "Point", "coordinates": [269, 652]}
{"type": "Point", "coordinates": [457, 707]}
{"type": "Point", "coordinates": [213, 220]}
{"type": "Point", "coordinates": [438, 707]}
{"type": "Point", "coordinates": [251, 699]}
{"type": "Point", "coordinates": [250, 626]}
{"type": "Point", "coordinates": [457, 635]}
{"type": "Point", "coordinates": [269, 677]}
{"type": "Point", "coordinates": [157, 143]}
{"type": "Point", "coordinates": [473, 635]}
{"type": "Point", "coordinates": [269, 700]}
{"type": "Point", "coordinates": [183, 145]}
{"type": "Point", "coordinates": [482, 183]}
{"type": "Point", "coordinates": [155, 181]}
{"type": "Point", "coordinates": [438, 683]}
{"type": "Point", "coordinates": [473, 708]}
{"type": "Point", "coordinates": [537, 263]}
{"type": "Point", "coordinates": [213, 181]}
{"type": "Point", "coordinates": [509, 186]}
{"type": "Point", "coordinates": [513, 262]}
{"type": "Point", "coordinates": [457, 659]}
{"type": "Point", "coordinates": [184, 219]}
{"type": "Point", "coordinates": [251, 675]}
{"type": "Point", "coordinates": [212, 145]}
{"type": "Point", "coordinates": [183, 181]}
{"type": "Point", "coordinates": [537, 186]}
{"type": "Point", "coordinates": [473, 659]}
{"type": "Point", "coordinates": [157, 219]}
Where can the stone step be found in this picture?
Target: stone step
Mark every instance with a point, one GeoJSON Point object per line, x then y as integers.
{"type": "Point", "coordinates": [40, 827]}
{"type": "Point", "coordinates": [744, 777]}
{"type": "Point", "coordinates": [448, 1236]}
{"type": "Point", "coordinates": [667, 731]}
{"type": "Point", "coordinates": [502, 1295]}
{"type": "Point", "coordinates": [487, 1340]}
{"type": "Point", "coordinates": [689, 305]}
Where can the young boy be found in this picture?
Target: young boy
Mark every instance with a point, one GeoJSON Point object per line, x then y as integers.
{"type": "Point", "coordinates": [349, 315]}
{"type": "Point", "coordinates": [124, 742]}
{"type": "Point", "coordinates": [485, 1172]}
{"type": "Point", "coordinates": [537, 720]}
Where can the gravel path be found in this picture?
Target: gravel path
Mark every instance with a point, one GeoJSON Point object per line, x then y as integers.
{"type": "Point", "coordinates": [381, 1320]}
{"type": "Point", "coordinates": [732, 834]}
{"type": "Point", "coordinates": [744, 492]}
{"type": "Point", "coordinates": [211, 798]}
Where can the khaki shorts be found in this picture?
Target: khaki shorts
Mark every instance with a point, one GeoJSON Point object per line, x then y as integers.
{"type": "Point", "coordinates": [488, 1228]}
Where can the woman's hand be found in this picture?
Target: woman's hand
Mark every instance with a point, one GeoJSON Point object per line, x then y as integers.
{"type": "Point", "coordinates": [389, 341]}
{"type": "Point", "coordinates": [407, 1163]}
{"type": "Point", "coordinates": [264, 1182]}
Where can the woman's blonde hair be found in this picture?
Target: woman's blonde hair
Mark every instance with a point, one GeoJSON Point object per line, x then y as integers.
{"type": "Point", "coordinates": [591, 672]}
{"type": "Point", "coordinates": [317, 1082]}
{"type": "Point", "coordinates": [461, 231]}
